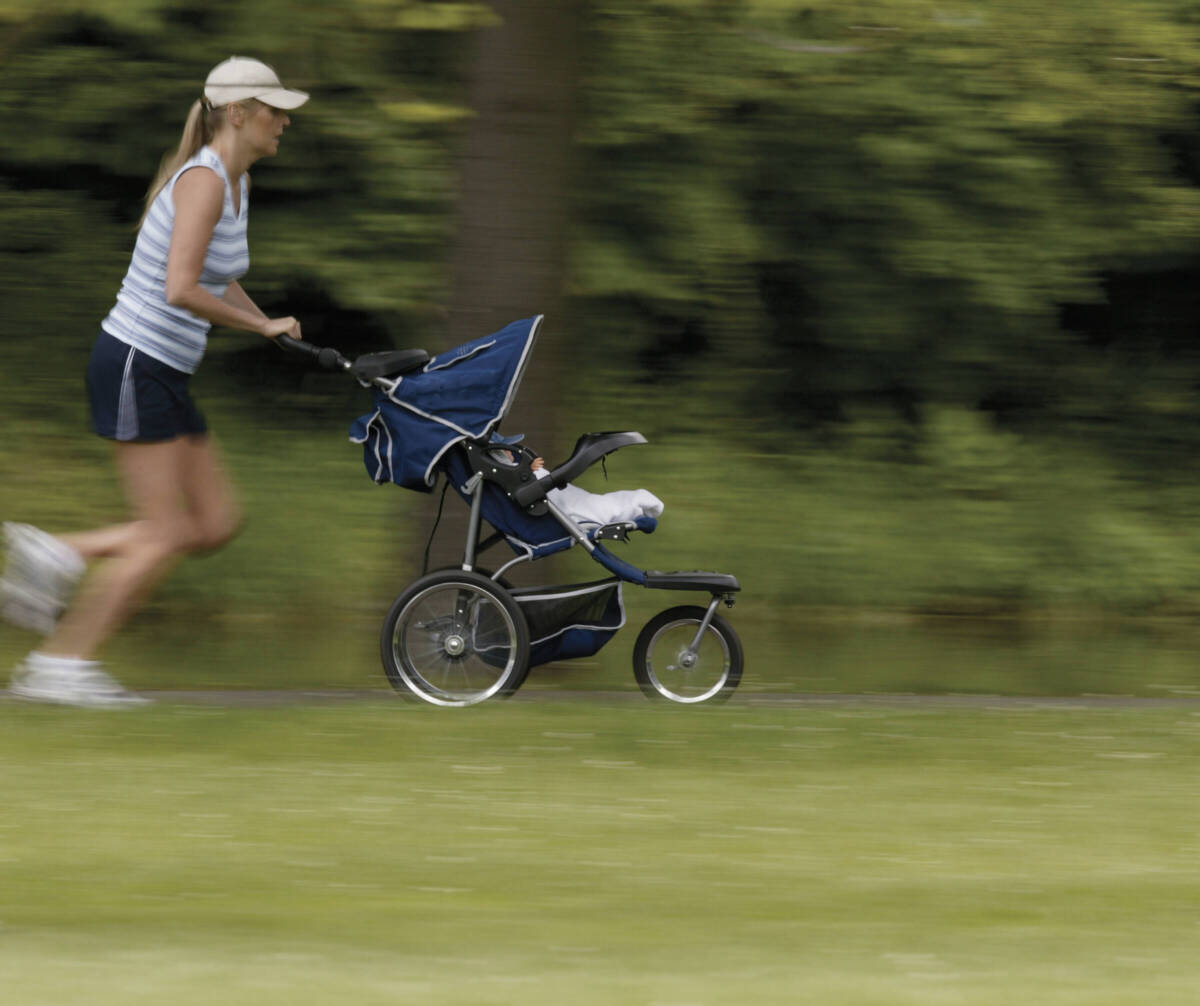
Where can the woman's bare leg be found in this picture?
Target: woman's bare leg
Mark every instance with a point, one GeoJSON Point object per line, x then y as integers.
{"type": "Point", "coordinates": [209, 495]}
{"type": "Point", "coordinates": [101, 542]}
{"type": "Point", "coordinates": [182, 500]}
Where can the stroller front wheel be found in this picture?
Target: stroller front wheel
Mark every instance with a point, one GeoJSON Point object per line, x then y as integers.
{"type": "Point", "coordinates": [454, 638]}
{"type": "Point", "coordinates": [670, 665]}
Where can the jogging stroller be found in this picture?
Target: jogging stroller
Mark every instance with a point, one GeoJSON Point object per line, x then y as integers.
{"type": "Point", "coordinates": [459, 636]}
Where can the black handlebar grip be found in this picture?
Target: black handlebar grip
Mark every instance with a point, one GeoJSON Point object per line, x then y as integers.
{"type": "Point", "coordinates": [296, 345]}
{"type": "Point", "coordinates": [326, 357]}
{"type": "Point", "coordinates": [330, 359]}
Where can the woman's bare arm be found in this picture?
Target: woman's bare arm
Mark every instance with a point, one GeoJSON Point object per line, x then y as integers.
{"type": "Point", "coordinates": [199, 197]}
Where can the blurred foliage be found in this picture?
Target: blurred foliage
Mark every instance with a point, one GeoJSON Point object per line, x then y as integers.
{"type": "Point", "coordinates": [891, 202]}
{"type": "Point", "coordinates": [901, 266]}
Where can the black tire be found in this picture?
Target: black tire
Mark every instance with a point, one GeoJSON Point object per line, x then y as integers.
{"type": "Point", "coordinates": [454, 638]}
{"type": "Point", "coordinates": [709, 675]}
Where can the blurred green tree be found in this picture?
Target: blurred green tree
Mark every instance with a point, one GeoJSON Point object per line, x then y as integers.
{"type": "Point", "coordinates": [854, 206]}
{"type": "Point", "coordinates": [837, 211]}
{"type": "Point", "coordinates": [513, 212]}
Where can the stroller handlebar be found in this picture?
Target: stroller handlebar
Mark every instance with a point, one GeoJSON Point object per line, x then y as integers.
{"type": "Point", "coordinates": [327, 358]}
{"type": "Point", "coordinates": [372, 368]}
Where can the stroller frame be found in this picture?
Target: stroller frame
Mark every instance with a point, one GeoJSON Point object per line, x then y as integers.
{"type": "Point", "coordinates": [461, 635]}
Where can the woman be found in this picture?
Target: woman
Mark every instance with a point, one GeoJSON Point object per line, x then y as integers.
{"type": "Point", "coordinates": [190, 253]}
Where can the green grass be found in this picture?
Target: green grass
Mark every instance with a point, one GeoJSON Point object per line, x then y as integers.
{"type": "Point", "coordinates": [557, 851]}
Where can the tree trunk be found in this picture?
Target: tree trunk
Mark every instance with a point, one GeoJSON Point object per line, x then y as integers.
{"type": "Point", "coordinates": [509, 257]}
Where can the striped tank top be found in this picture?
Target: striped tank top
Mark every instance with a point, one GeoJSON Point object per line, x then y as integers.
{"type": "Point", "coordinates": [142, 317]}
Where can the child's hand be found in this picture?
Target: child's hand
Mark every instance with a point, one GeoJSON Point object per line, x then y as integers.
{"type": "Point", "coordinates": [536, 464]}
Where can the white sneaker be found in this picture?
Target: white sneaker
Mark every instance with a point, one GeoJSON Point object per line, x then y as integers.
{"type": "Point", "coordinates": [70, 682]}
{"type": "Point", "coordinates": [39, 576]}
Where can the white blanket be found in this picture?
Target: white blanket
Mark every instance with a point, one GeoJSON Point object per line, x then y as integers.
{"type": "Point", "coordinates": [604, 508]}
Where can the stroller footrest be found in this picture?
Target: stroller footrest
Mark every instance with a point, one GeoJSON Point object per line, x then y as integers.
{"type": "Point", "coordinates": [714, 583]}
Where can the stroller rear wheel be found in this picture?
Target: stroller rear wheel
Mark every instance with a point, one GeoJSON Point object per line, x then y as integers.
{"type": "Point", "coordinates": [454, 638]}
{"type": "Point", "coordinates": [670, 665]}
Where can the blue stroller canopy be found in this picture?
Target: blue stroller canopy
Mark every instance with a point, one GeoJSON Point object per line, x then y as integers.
{"type": "Point", "coordinates": [460, 394]}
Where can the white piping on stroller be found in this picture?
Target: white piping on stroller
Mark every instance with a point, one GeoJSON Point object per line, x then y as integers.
{"type": "Point", "coordinates": [383, 462]}
{"type": "Point", "coordinates": [431, 365]}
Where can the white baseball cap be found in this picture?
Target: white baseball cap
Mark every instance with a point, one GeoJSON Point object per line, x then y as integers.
{"type": "Point", "coordinates": [239, 78]}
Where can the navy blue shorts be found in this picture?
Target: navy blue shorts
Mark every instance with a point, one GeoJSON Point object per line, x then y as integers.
{"type": "Point", "coordinates": [136, 398]}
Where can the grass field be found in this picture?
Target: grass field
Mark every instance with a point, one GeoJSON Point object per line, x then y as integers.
{"type": "Point", "coordinates": [576, 851]}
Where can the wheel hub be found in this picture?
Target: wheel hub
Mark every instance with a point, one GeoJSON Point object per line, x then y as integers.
{"type": "Point", "coordinates": [454, 644]}
{"type": "Point", "coordinates": [687, 660]}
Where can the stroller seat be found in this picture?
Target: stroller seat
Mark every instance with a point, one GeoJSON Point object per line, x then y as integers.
{"type": "Point", "coordinates": [527, 532]}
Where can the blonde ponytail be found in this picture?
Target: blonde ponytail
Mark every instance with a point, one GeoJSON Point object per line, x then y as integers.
{"type": "Point", "coordinates": [201, 124]}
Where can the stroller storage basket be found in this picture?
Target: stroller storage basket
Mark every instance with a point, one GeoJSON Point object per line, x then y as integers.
{"type": "Point", "coordinates": [570, 621]}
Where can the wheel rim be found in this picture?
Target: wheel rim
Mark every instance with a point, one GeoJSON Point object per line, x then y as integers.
{"type": "Point", "coordinates": [455, 644]}
{"type": "Point", "coordinates": [681, 674]}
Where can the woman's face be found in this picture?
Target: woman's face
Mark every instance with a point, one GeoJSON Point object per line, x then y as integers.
{"type": "Point", "coordinates": [264, 126]}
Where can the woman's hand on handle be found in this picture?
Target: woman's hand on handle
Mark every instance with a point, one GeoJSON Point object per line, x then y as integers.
{"type": "Point", "coordinates": [272, 327]}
